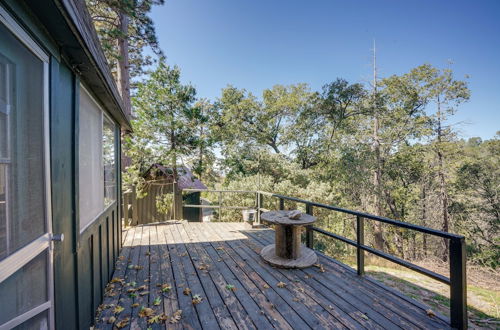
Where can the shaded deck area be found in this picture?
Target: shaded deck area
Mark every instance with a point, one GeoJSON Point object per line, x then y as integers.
{"type": "Point", "coordinates": [183, 275]}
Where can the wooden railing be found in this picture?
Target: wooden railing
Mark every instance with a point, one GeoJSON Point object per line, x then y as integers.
{"type": "Point", "coordinates": [457, 254]}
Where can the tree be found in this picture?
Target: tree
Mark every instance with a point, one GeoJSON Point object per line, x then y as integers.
{"type": "Point", "coordinates": [125, 29]}
{"type": "Point", "coordinates": [244, 118]}
{"type": "Point", "coordinates": [165, 128]}
{"type": "Point", "coordinates": [440, 89]}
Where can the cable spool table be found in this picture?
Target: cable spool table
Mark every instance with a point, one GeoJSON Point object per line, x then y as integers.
{"type": "Point", "coordinates": [288, 252]}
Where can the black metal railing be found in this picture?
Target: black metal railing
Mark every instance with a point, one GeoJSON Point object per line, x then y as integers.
{"type": "Point", "coordinates": [457, 255]}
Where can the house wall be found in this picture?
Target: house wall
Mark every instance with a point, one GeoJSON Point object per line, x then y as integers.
{"type": "Point", "coordinates": [83, 262]}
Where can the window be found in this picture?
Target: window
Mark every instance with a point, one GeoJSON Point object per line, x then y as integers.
{"type": "Point", "coordinates": [22, 168]}
{"type": "Point", "coordinates": [97, 166]}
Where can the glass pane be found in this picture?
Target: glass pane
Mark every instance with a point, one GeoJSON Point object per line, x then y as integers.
{"type": "Point", "coordinates": [90, 167]}
{"type": "Point", "coordinates": [39, 322]}
{"type": "Point", "coordinates": [4, 105]}
{"type": "Point", "coordinates": [21, 86]}
{"type": "Point", "coordinates": [108, 156]}
{"type": "Point", "coordinates": [25, 289]}
{"type": "Point", "coordinates": [3, 211]}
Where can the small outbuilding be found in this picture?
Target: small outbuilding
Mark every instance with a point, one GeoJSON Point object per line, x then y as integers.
{"type": "Point", "coordinates": [161, 197]}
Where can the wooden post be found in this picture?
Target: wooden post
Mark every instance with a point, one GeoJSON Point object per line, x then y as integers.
{"type": "Point", "coordinates": [360, 237]}
{"type": "Point", "coordinates": [309, 232]}
{"type": "Point", "coordinates": [458, 284]}
{"type": "Point", "coordinates": [282, 204]}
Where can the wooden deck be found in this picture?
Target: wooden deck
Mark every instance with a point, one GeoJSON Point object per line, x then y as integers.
{"type": "Point", "coordinates": [165, 268]}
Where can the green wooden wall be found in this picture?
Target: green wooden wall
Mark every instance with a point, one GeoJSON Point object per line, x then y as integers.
{"type": "Point", "coordinates": [83, 262]}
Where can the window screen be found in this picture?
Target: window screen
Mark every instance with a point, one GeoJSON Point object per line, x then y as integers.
{"type": "Point", "coordinates": [90, 165]}
{"type": "Point", "coordinates": [97, 167]}
{"type": "Point", "coordinates": [22, 179]}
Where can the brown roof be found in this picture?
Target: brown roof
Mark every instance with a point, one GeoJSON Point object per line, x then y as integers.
{"type": "Point", "coordinates": [185, 178]}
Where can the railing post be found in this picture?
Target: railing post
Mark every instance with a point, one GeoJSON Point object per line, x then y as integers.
{"type": "Point", "coordinates": [282, 204]}
{"type": "Point", "coordinates": [309, 232]}
{"type": "Point", "coordinates": [458, 284]}
{"type": "Point", "coordinates": [360, 238]}
{"type": "Point", "coordinates": [259, 206]}
{"type": "Point", "coordinates": [220, 206]}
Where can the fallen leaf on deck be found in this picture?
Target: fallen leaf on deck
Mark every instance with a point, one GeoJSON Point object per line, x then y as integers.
{"type": "Point", "coordinates": [230, 287]}
{"type": "Point", "coordinates": [142, 287]}
{"type": "Point", "coordinates": [166, 288]}
{"type": "Point", "coordinates": [133, 295]}
{"type": "Point", "coordinates": [123, 323]}
{"type": "Point", "coordinates": [143, 293]}
{"type": "Point", "coordinates": [118, 309]}
{"type": "Point", "coordinates": [320, 266]}
{"type": "Point", "coordinates": [135, 305]}
{"type": "Point", "coordinates": [117, 280]}
{"type": "Point", "coordinates": [187, 291]}
{"type": "Point", "coordinates": [219, 260]}
{"type": "Point", "coordinates": [266, 286]}
{"type": "Point", "coordinates": [202, 267]}
{"type": "Point", "coordinates": [281, 285]}
{"type": "Point", "coordinates": [176, 317]}
{"type": "Point", "coordinates": [137, 267]}
{"type": "Point", "coordinates": [296, 299]}
{"type": "Point", "coordinates": [219, 248]}
{"type": "Point", "coordinates": [157, 301]}
{"type": "Point", "coordinates": [146, 312]}
{"type": "Point", "coordinates": [154, 319]}
{"type": "Point", "coordinates": [112, 319]}
{"type": "Point", "coordinates": [301, 290]}
{"type": "Point", "coordinates": [131, 290]}
{"type": "Point", "coordinates": [430, 313]}
{"type": "Point", "coordinates": [364, 317]}
{"type": "Point", "coordinates": [197, 299]}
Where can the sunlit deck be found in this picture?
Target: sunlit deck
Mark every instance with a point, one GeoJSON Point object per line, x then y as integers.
{"type": "Point", "coordinates": [166, 267]}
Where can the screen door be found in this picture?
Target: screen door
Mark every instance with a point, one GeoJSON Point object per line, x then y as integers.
{"type": "Point", "coordinates": [26, 287]}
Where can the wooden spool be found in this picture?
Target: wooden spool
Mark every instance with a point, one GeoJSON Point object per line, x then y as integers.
{"type": "Point", "coordinates": [288, 252]}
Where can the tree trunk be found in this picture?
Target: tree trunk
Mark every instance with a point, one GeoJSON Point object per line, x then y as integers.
{"type": "Point", "coordinates": [174, 173]}
{"type": "Point", "coordinates": [442, 180]}
{"type": "Point", "coordinates": [123, 63]}
{"type": "Point", "coordinates": [377, 175]}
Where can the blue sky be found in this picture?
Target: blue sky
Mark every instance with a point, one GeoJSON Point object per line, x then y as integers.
{"type": "Point", "coordinates": [256, 44]}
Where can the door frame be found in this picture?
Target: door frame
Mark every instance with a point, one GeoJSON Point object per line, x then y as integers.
{"type": "Point", "coordinates": [20, 258]}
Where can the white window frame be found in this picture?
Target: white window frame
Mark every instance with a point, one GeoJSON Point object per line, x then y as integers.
{"type": "Point", "coordinates": [20, 258]}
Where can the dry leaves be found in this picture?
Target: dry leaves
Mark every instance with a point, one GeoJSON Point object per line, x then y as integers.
{"type": "Point", "coordinates": [186, 291]}
{"type": "Point", "coordinates": [117, 280]}
{"type": "Point", "coordinates": [320, 266]}
{"type": "Point", "coordinates": [197, 299]}
{"type": "Point", "coordinates": [166, 288]}
{"type": "Point", "coordinates": [112, 320]}
{"type": "Point", "coordinates": [118, 309]}
{"type": "Point", "coordinates": [430, 313]}
{"type": "Point", "coordinates": [123, 323]}
{"type": "Point", "coordinates": [135, 305]}
{"type": "Point", "coordinates": [281, 285]}
{"type": "Point", "coordinates": [146, 312]}
{"type": "Point", "coordinates": [231, 287]}
{"type": "Point", "coordinates": [265, 286]}
{"type": "Point", "coordinates": [176, 317]}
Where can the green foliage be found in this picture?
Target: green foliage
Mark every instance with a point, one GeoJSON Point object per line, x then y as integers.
{"type": "Point", "coordinates": [141, 33]}
{"type": "Point", "coordinates": [164, 130]}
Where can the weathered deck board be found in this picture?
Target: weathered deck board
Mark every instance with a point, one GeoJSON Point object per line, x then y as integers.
{"type": "Point", "coordinates": [207, 257]}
